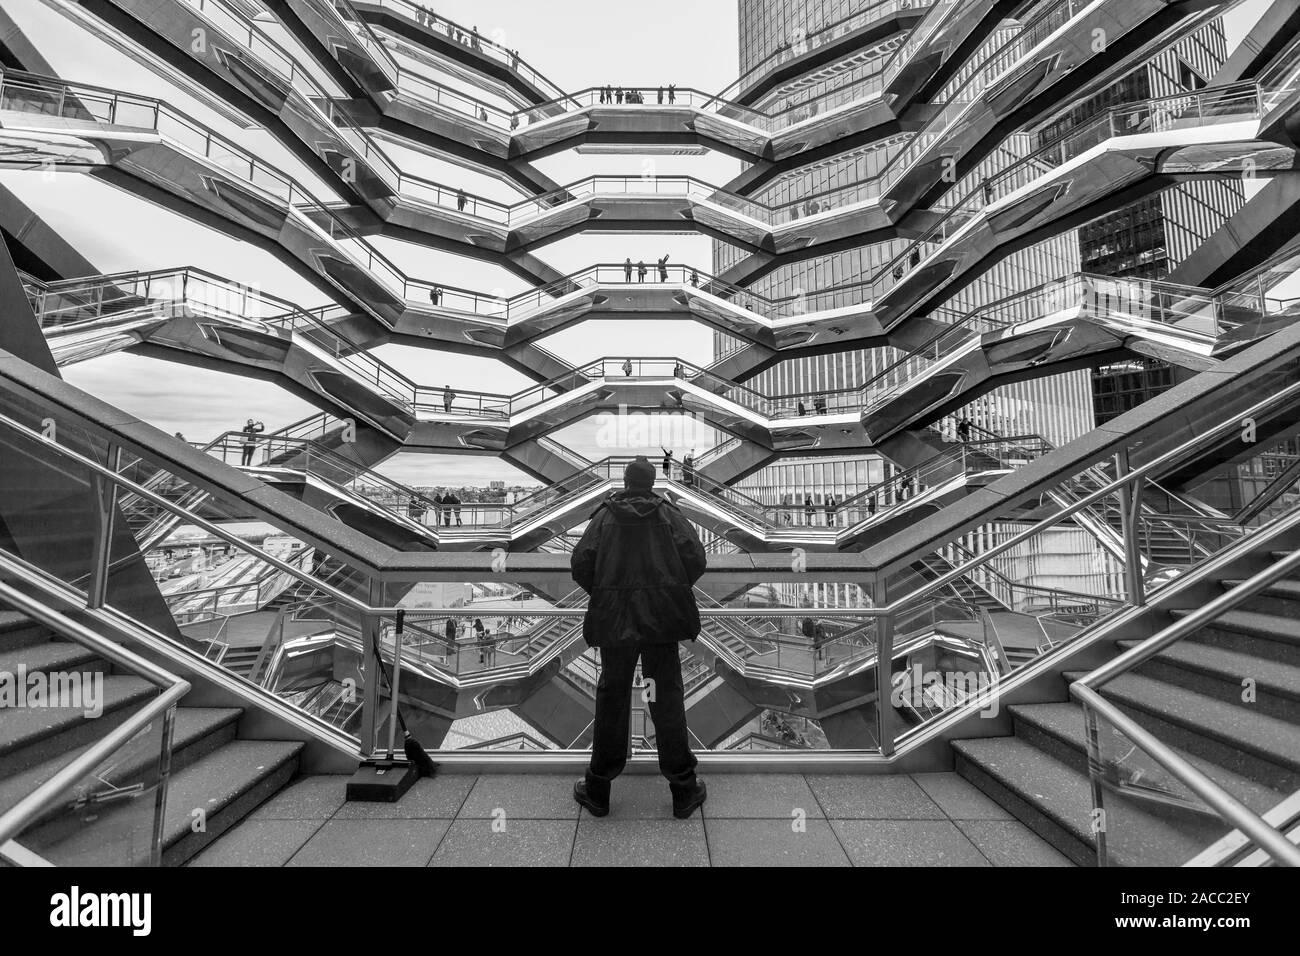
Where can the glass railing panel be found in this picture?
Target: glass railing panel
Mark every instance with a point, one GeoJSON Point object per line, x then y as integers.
{"type": "Point", "coordinates": [359, 31]}
{"type": "Point", "coordinates": [54, 525]}
{"type": "Point", "coordinates": [476, 41]}
{"type": "Point", "coordinates": [293, 653]}
{"type": "Point", "coordinates": [1101, 564]}
{"type": "Point", "coordinates": [783, 117]}
{"type": "Point", "coordinates": [215, 594]}
{"type": "Point", "coordinates": [272, 56]}
{"type": "Point", "coordinates": [1025, 606]}
{"type": "Point", "coordinates": [1219, 105]}
{"type": "Point", "coordinates": [804, 40]}
{"type": "Point", "coordinates": [920, 34]}
{"type": "Point", "coordinates": [561, 491]}
{"type": "Point", "coordinates": [112, 815]}
{"type": "Point", "coordinates": [1048, 18]}
{"type": "Point", "coordinates": [1146, 816]}
{"type": "Point", "coordinates": [494, 634]}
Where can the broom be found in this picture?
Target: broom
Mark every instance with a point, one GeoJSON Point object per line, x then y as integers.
{"type": "Point", "coordinates": [414, 750]}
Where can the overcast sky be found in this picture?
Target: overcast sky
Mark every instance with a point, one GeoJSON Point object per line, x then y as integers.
{"type": "Point", "coordinates": [576, 43]}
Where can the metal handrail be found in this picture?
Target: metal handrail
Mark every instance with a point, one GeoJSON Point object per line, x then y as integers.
{"type": "Point", "coordinates": [1161, 461]}
{"type": "Point", "coordinates": [891, 608]}
{"type": "Point", "coordinates": [173, 688]}
{"type": "Point", "coordinates": [342, 596]}
{"type": "Point", "coordinates": [199, 522]}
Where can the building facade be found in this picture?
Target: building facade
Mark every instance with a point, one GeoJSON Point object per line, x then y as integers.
{"type": "Point", "coordinates": [1058, 408]}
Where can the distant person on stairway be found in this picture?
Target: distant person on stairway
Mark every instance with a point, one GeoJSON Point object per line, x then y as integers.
{"type": "Point", "coordinates": [639, 560]}
{"type": "Point", "coordinates": [251, 430]}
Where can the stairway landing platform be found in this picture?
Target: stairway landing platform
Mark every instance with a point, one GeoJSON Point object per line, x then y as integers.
{"type": "Point", "coordinates": [931, 819]}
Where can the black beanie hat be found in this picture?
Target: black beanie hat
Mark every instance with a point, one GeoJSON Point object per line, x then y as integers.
{"type": "Point", "coordinates": [639, 475]}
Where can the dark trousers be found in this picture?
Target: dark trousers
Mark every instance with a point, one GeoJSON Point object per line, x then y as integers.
{"type": "Point", "coordinates": [659, 663]}
{"type": "Point", "coordinates": [247, 457]}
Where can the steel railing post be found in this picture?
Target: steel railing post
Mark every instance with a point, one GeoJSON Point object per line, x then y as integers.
{"type": "Point", "coordinates": [370, 626]}
{"type": "Point", "coordinates": [885, 717]}
{"type": "Point", "coordinates": [1130, 503]}
{"type": "Point", "coordinates": [105, 495]}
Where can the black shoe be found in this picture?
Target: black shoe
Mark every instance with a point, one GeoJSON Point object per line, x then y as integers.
{"type": "Point", "coordinates": [686, 803]}
{"type": "Point", "coordinates": [582, 794]}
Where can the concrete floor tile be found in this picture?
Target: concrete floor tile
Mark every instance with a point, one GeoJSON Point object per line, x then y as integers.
{"type": "Point", "coordinates": [1011, 843]}
{"type": "Point", "coordinates": [372, 843]}
{"type": "Point", "coordinates": [611, 842]}
{"type": "Point", "coordinates": [959, 798]}
{"type": "Point", "coordinates": [524, 796]}
{"type": "Point", "coordinates": [906, 843]}
{"type": "Point", "coordinates": [307, 798]}
{"type": "Point", "coordinates": [268, 842]}
{"type": "Point", "coordinates": [520, 843]}
{"type": "Point", "coordinates": [760, 796]}
{"type": "Point", "coordinates": [773, 843]}
{"type": "Point", "coordinates": [876, 797]}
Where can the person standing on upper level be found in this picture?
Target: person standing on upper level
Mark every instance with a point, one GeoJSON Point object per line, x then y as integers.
{"type": "Point", "coordinates": [639, 560]}
{"type": "Point", "coordinates": [668, 462]}
{"type": "Point", "coordinates": [250, 431]}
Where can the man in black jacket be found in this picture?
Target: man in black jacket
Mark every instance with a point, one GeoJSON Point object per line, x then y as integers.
{"type": "Point", "coordinates": [639, 560]}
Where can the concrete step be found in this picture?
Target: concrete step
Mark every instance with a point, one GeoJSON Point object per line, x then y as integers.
{"type": "Point", "coordinates": [51, 656]}
{"type": "Point", "coordinates": [1282, 598]}
{"type": "Point", "coordinates": [1219, 672]}
{"type": "Point", "coordinates": [18, 630]}
{"type": "Point", "coordinates": [1055, 801]}
{"type": "Point", "coordinates": [29, 736]}
{"type": "Point", "coordinates": [1251, 632]}
{"type": "Point", "coordinates": [226, 785]}
{"type": "Point", "coordinates": [1059, 730]}
{"type": "Point", "coordinates": [197, 732]}
{"type": "Point", "coordinates": [1235, 736]}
